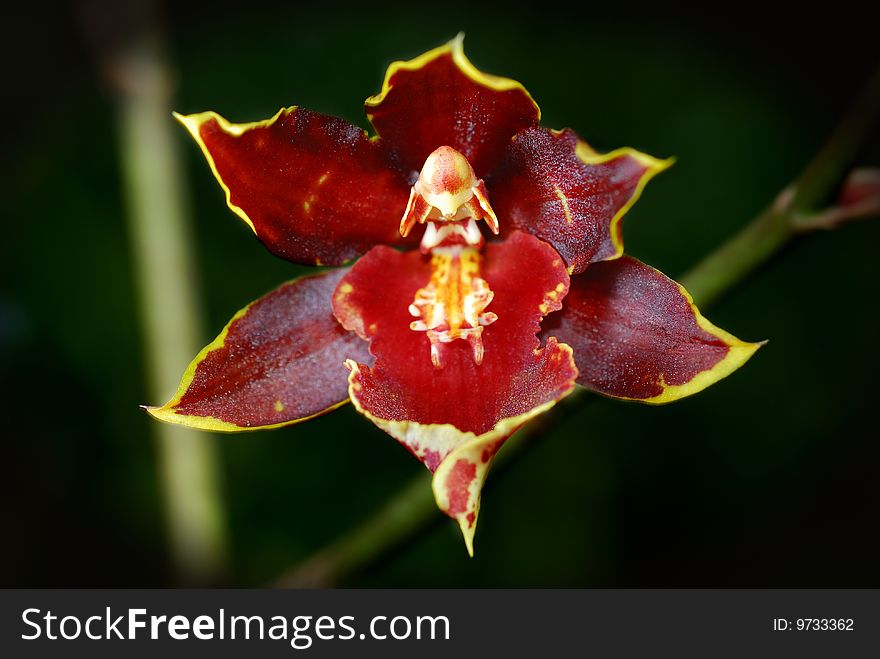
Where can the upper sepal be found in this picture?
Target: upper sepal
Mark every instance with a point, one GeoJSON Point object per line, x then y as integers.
{"type": "Point", "coordinates": [278, 361]}
{"type": "Point", "coordinates": [554, 186]}
{"type": "Point", "coordinates": [314, 188]}
{"type": "Point", "coordinates": [637, 335]}
{"type": "Point", "coordinates": [440, 99]}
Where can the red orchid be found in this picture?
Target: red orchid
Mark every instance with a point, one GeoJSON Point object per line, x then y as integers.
{"type": "Point", "coordinates": [442, 336]}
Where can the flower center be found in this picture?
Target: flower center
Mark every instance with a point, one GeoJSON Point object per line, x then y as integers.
{"type": "Point", "coordinates": [453, 304]}
{"type": "Point", "coordinates": [450, 199]}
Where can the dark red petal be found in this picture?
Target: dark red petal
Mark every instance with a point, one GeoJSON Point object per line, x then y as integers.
{"type": "Point", "coordinates": [554, 186]}
{"type": "Point", "coordinates": [278, 361]}
{"type": "Point", "coordinates": [440, 99]}
{"type": "Point", "coordinates": [636, 334]}
{"type": "Point", "coordinates": [315, 189]}
{"type": "Point", "coordinates": [461, 412]}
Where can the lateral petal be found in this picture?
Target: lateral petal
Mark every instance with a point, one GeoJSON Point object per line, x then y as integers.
{"type": "Point", "coordinates": [554, 186]}
{"type": "Point", "coordinates": [461, 411]}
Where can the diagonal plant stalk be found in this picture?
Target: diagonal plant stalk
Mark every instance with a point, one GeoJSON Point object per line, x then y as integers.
{"type": "Point", "coordinates": [784, 218]}
{"type": "Point", "coordinates": [187, 461]}
{"type": "Point", "coordinates": [412, 509]}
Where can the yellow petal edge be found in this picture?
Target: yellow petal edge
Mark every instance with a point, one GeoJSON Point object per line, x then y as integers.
{"type": "Point", "coordinates": [739, 352]}
{"type": "Point", "coordinates": [193, 122]}
{"type": "Point", "coordinates": [653, 166]}
{"type": "Point", "coordinates": [455, 47]}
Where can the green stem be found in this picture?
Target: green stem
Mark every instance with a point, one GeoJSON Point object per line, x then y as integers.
{"type": "Point", "coordinates": [779, 223]}
{"type": "Point", "coordinates": [170, 313]}
{"type": "Point", "coordinates": [407, 513]}
{"type": "Point", "coordinates": [403, 516]}
{"type": "Point", "coordinates": [733, 261]}
{"type": "Point", "coordinates": [413, 508]}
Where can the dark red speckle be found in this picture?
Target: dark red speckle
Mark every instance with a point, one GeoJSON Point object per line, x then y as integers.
{"type": "Point", "coordinates": [432, 460]}
{"type": "Point", "coordinates": [457, 484]}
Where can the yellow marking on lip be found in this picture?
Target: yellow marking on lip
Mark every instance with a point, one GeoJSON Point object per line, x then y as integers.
{"type": "Point", "coordinates": [279, 406]}
{"type": "Point", "coordinates": [453, 303]}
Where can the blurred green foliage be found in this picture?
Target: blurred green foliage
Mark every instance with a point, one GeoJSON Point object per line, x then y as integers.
{"type": "Point", "coordinates": [766, 479]}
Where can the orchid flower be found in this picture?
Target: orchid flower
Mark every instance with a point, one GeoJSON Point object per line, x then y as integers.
{"type": "Point", "coordinates": [488, 282]}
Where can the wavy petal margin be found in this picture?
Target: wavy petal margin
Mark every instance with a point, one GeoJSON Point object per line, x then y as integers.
{"type": "Point", "coordinates": [553, 185]}
{"type": "Point", "coordinates": [637, 335]}
{"type": "Point", "coordinates": [314, 189]}
{"type": "Point", "coordinates": [440, 99]}
{"type": "Point", "coordinates": [279, 361]}
{"type": "Point", "coordinates": [459, 413]}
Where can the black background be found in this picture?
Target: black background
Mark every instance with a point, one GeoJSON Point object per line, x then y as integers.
{"type": "Point", "coordinates": [767, 479]}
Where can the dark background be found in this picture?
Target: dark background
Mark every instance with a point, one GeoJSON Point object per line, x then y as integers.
{"type": "Point", "coordinates": [766, 479]}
